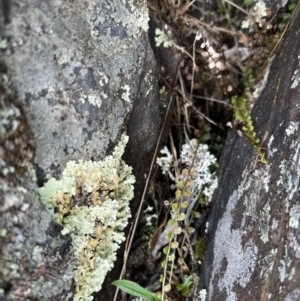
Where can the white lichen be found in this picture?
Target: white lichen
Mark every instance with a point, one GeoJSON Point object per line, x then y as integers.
{"type": "Point", "coordinates": [294, 221]}
{"type": "Point", "coordinates": [103, 79]}
{"type": "Point", "coordinates": [95, 100]}
{"type": "Point", "coordinates": [283, 171]}
{"type": "Point", "coordinates": [290, 173]}
{"type": "Point", "coordinates": [126, 94]}
{"type": "Point", "coordinates": [199, 160]}
{"type": "Point", "coordinates": [165, 161]}
{"type": "Point", "coordinates": [272, 150]}
{"type": "Point", "coordinates": [282, 271]}
{"type": "Point", "coordinates": [198, 157]}
{"type": "Point", "coordinates": [92, 202]}
{"type": "Point", "coordinates": [209, 190]}
{"type": "Point", "coordinates": [12, 199]}
{"type": "Point", "coordinates": [266, 178]}
{"type": "Point", "coordinates": [293, 127]}
{"type": "Point", "coordinates": [256, 15]}
{"type": "Point", "coordinates": [296, 77]}
{"type": "Point", "coordinates": [202, 294]}
{"type": "Point", "coordinates": [258, 88]}
{"type": "Point", "coordinates": [149, 79]}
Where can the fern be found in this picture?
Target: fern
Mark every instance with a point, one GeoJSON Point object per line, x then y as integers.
{"type": "Point", "coordinates": [241, 107]}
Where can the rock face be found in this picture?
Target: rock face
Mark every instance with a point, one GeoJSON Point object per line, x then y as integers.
{"type": "Point", "coordinates": [74, 76]}
{"type": "Point", "coordinates": [77, 69]}
{"type": "Point", "coordinates": [253, 250]}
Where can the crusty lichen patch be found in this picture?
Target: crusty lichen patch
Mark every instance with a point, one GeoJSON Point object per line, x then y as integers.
{"type": "Point", "coordinates": [92, 202]}
{"type": "Point", "coordinates": [238, 259]}
{"type": "Point", "coordinates": [296, 76]}
{"type": "Point", "coordinates": [141, 13]}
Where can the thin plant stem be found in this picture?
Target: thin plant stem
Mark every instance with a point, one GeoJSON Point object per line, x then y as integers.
{"type": "Point", "coordinates": [136, 218]}
{"type": "Point", "coordinates": [173, 233]}
{"type": "Point", "coordinates": [236, 6]}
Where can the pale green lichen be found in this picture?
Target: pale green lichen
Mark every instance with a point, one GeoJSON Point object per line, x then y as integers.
{"type": "Point", "coordinates": [3, 232]}
{"type": "Point", "coordinates": [92, 202]}
{"type": "Point", "coordinates": [162, 37]}
{"type": "Point", "coordinates": [3, 43]}
{"type": "Point", "coordinates": [140, 11]}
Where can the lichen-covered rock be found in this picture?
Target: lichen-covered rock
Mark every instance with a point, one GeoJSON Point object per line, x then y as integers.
{"type": "Point", "coordinates": [253, 250]}
{"type": "Point", "coordinates": [78, 70]}
{"type": "Point", "coordinates": [92, 202]}
{"type": "Point", "coordinates": [35, 262]}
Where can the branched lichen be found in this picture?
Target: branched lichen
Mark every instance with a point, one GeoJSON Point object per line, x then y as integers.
{"type": "Point", "coordinates": [162, 37]}
{"type": "Point", "coordinates": [256, 15]}
{"type": "Point", "coordinates": [92, 202]}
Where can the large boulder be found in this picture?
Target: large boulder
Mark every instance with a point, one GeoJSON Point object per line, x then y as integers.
{"type": "Point", "coordinates": [253, 250]}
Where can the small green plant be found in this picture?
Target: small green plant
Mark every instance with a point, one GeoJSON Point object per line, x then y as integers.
{"type": "Point", "coordinates": [136, 290]}
{"type": "Point", "coordinates": [287, 15]}
{"type": "Point", "coordinates": [177, 217]}
{"type": "Point", "coordinates": [185, 287]}
{"type": "Point", "coordinates": [241, 107]}
{"type": "Point", "coordinates": [194, 180]}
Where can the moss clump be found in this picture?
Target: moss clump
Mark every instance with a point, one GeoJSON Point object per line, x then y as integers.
{"type": "Point", "coordinates": [92, 202]}
{"type": "Point", "coordinates": [200, 249]}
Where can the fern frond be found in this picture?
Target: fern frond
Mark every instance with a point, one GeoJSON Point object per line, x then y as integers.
{"type": "Point", "coordinates": [241, 107]}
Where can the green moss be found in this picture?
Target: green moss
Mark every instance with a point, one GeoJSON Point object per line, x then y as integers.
{"type": "Point", "coordinates": [200, 249]}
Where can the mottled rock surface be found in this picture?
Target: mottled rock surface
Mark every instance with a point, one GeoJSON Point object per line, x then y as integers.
{"type": "Point", "coordinates": [79, 73]}
{"type": "Point", "coordinates": [253, 250]}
